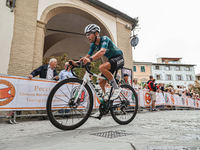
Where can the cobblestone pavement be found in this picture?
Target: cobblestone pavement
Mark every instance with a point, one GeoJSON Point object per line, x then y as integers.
{"type": "Point", "coordinates": [177, 129]}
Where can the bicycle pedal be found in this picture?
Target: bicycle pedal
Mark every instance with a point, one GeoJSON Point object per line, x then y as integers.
{"type": "Point", "coordinates": [100, 117]}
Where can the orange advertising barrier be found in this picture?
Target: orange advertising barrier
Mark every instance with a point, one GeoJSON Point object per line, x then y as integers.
{"type": "Point", "coordinates": [167, 99]}
{"type": "Point", "coordinates": [21, 93]}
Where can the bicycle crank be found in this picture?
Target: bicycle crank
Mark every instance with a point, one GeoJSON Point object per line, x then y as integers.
{"type": "Point", "coordinates": [103, 109]}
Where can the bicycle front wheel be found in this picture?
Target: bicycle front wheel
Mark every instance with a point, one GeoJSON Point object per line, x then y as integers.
{"type": "Point", "coordinates": [63, 112]}
{"type": "Point", "coordinates": [124, 108]}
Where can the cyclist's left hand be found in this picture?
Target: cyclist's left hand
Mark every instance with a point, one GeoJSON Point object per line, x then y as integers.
{"type": "Point", "coordinates": [85, 60]}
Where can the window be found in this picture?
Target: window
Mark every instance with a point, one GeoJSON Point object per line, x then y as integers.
{"type": "Point", "coordinates": [142, 68]}
{"type": "Point", "coordinates": [134, 68]}
{"type": "Point", "coordinates": [178, 68]}
{"type": "Point", "coordinates": [179, 77]}
{"type": "Point", "coordinates": [158, 77]}
{"type": "Point", "coordinates": [198, 78]}
{"type": "Point", "coordinates": [187, 68]}
{"type": "Point", "coordinates": [169, 77]}
{"type": "Point", "coordinates": [189, 77]}
{"type": "Point", "coordinates": [157, 67]}
{"type": "Point", "coordinates": [167, 67]}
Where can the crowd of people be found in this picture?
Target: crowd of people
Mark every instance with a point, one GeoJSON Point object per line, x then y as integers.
{"type": "Point", "coordinates": [154, 87]}
{"type": "Point", "coordinates": [161, 87]}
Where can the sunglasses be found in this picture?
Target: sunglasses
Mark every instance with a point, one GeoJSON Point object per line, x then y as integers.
{"type": "Point", "coordinates": [88, 34]}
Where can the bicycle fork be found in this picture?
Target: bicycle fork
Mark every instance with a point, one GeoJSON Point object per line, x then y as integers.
{"type": "Point", "coordinates": [79, 90]}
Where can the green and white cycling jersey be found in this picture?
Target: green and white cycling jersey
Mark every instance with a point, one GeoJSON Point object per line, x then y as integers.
{"type": "Point", "coordinates": [105, 42]}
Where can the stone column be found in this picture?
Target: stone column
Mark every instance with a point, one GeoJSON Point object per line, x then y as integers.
{"type": "Point", "coordinates": [123, 43]}
{"type": "Point", "coordinates": [39, 44]}
{"type": "Point", "coordinates": [23, 42]}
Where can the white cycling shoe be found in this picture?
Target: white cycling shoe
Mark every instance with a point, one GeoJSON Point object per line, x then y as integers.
{"type": "Point", "coordinates": [106, 95]}
{"type": "Point", "coordinates": [96, 115]}
{"type": "Point", "coordinates": [116, 94]}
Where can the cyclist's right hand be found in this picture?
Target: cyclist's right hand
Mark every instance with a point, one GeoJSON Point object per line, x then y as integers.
{"type": "Point", "coordinates": [71, 62]}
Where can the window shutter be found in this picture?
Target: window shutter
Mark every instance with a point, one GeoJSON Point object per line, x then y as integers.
{"type": "Point", "coordinates": [182, 77]}
{"type": "Point", "coordinates": [165, 77]}
{"type": "Point", "coordinates": [191, 68]}
{"type": "Point", "coordinates": [185, 68]}
{"type": "Point", "coordinates": [192, 78]}
{"type": "Point", "coordinates": [160, 77]}
{"type": "Point", "coordinates": [176, 77]}
{"type": "Point", "coordinates": [171, 77]}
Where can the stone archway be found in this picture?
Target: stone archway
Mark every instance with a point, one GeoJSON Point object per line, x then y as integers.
{"type": "Point", "coordinates": [74, 19]}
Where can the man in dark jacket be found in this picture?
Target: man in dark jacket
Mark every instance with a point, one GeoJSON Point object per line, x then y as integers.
{"type": "Point", "coordinates": [46, 71]}
{"type": "Point", "coordinates": [152, 88]}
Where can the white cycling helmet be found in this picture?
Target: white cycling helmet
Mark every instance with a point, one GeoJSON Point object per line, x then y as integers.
{"type": "Point", "coordinates": [92, 28]}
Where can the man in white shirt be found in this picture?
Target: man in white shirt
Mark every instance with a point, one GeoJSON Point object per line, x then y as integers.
{"type": "Point", "coordinates": [66, 73]}
{"type": "Point", "coordinates": [136, 85]}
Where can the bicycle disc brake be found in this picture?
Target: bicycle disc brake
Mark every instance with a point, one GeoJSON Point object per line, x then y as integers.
{"type": "Point", "coordinates": [72, 104]}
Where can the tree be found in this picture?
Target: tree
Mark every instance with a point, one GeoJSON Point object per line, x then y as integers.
{"type": "Point", "coordinates": [80, 72]}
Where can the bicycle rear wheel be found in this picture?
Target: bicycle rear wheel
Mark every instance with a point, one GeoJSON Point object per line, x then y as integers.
{"type": "Point", "coordinates": [62, 111]}
{"type": "Point", "coordinates": [124, 108]}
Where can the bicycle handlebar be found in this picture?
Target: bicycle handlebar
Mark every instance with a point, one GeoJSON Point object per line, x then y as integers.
{"type": "Point", "coordinates": [80, 65]}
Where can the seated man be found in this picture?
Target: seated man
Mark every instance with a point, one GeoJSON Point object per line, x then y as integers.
{"type": "Point", "coordinates": [104, 47]}
{"type": "Point", "coordinates": [66, 73]}
{"type": "Point", "coordinates": [46, 71]}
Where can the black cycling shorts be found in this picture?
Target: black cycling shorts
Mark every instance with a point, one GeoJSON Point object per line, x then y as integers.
{"type": "Point", "coordinates": [116, 63]}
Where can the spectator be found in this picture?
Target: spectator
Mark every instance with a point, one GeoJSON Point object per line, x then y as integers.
{"type": "Point", "coordinates": [177, 91]}
{"type": "Point", "coordinates": [150, 79]}
{"type": "Point", "coordinates": [145, 87]}
{"type": "Point", "coordinates": [125, 79]}
{"type": "Point", "coordinates": [162, 89]}
{"type": "Point", "coordinates": [46, 71]}
{"type": "Point", "coordinates": [188, 94]}
{"type": "Point", "coordinates": [194, 96]}
{"type": "Point", "coordinates": [167, 90]}
{"type": "Point", "coordinates": [172, 92]}
{"type": "Point", "coordinates": [170, 89]}
{"type": "Point", "coordinates": [152, 88]}
{"type": "Point", "coordinates": [136, 85]}
{"type": "Point", "coordinates": [183, 93]}
{"type": "Point", "coordinates": [66, 73]}
{"type": "Point", "coordinates": [157, 87]}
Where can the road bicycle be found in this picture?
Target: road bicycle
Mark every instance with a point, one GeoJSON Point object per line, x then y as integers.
{"type": "Point", "coordinates": [70, 102]}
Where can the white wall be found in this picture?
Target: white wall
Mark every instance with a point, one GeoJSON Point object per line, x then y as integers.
{"type": "Point", "coordinates": [6, 35]}
{"type": "Point", "coordinates": [108, 20]}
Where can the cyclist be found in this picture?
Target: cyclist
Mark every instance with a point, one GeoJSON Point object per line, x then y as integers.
{"type": "Point", "coordinates": [104, 47]}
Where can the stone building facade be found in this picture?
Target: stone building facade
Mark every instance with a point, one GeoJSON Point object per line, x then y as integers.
{"type": "Point", "coordinates": [38, 29]}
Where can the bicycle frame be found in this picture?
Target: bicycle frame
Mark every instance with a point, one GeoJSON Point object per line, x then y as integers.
{"type": "Point", "coordinates": [86, 80]}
